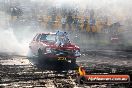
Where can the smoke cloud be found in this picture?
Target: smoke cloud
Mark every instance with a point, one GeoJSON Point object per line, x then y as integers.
{"type": "Point", "coordinates": [115, 10]}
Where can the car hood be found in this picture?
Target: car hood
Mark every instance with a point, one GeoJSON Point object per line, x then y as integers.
{"type": "Point", "coordinates": [68, 46]}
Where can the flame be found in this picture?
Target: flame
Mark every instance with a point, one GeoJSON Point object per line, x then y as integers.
{"type": "Point", "coordinates": [81, 71]}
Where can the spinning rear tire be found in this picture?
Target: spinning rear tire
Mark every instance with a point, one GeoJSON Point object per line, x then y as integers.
{"type": "Point", "coordinates": [73, 61]}
{"type": "Point", "coordinates": [40, 52]}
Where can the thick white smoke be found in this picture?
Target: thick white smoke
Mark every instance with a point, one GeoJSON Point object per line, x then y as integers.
{"type": "Point", "coordinates": [9, 43]}
{"type": "Point", "coordinates": [116, 10]}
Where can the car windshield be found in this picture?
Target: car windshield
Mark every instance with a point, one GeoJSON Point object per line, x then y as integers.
{"type": "Point", "coordinates": [54, 37]}
{"type": "Point", "coordinates": [48, 37]}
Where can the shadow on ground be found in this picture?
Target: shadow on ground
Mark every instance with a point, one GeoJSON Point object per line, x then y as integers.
{"type": "Point", "coordinates": [53, 64]}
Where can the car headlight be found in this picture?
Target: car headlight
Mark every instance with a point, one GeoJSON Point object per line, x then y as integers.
{"type": "Point", "coordinates": [77, 53]}
{"type": "Point", "coordinates": [48, 50]}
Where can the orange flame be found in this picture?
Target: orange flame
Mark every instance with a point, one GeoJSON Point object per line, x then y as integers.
{"type": "Point", "coordinates": [81, 71]}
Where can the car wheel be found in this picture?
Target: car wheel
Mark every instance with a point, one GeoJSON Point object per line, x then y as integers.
{"type": "Point", "coordinates": [31, 57]}
{"type": "Point", "coordinates": [73, 61]}
{"type": "Point", "coordinates": [40, 52]}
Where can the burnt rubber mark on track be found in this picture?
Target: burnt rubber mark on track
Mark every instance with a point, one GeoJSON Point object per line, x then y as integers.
{"type": "Point", "coordinates": [30, 76]}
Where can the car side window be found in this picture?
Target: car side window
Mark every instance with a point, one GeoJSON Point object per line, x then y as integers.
{"type": "Point", "coordinates": [35, 37]}
{"type": "Point", "coordinates": [38, 37]}
{"type": "Point", "coordinates": [43, 37]}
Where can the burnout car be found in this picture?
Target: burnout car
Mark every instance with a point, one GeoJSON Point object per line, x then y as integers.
{"type": "Point", "coordinates": [54, 46]}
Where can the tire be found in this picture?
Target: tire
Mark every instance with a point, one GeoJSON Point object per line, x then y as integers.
{"type": "Point", "coordinates": [31, 57]}
{"type": "Point", "coordinates": [40, 52]}
{"type": "Point", "coordinates": [73, 61]}
{"type": "Point", "coordinates": [73, 64]}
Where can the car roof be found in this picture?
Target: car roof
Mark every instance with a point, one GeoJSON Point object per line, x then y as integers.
{"type": "Point", "coordinates": [46, 33]}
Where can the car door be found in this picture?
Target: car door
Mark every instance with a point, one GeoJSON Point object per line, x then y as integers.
{"type": "Point", "coordinates": [35, 44]}
{"type": "Point", "coordinates": [32, 44]}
